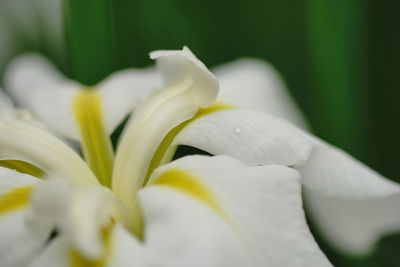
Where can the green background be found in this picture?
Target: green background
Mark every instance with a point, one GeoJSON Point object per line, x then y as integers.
{"type": "Point", "coordinates": [340, 59]}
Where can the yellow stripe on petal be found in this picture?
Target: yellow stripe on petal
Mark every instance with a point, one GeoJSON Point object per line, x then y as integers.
{"type": "Point", "coordinates": [96, 144]}
{"type": "Point", "coordinates": [160, 154]}
{"type": "Point", "coordinates": [15, 199]}
{"type": "Point", "coordinates": [23, 167]}
{"type": "Point", "coordinates": [76, 259]}
{"type": "Point", "coordinates": [182, 181]}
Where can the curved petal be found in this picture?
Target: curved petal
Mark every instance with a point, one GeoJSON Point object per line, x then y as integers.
{"type": "Point", "coordinates": [125, 90]}
{"type": "Point", "coordinates": [180, 65]}
{"type": "Point", "coordinates": [89, 227]}
{"type": "Point", "coordinates": [125, 251]}
{"type": "Point", "coordinates": [201, 211]}
{"type": "Point", "coordinates": [189, 86]}
{"type": "Point", "coordinates": [332, 172]}
{"type": "Point", "coordinates": [83, 214]}
{"type": "Point", "coordinates": [35, 84]}
{"type": "Point", "coordinates": [23, 141]}
{"type": "Point", "coordinates": [254, 84]}
{"type": "Point", "coordinates": [215, 211]}
{"type": "Point", "coordinates": [354, 225]}
{"type": "Point", "coordinates": [89, 212]}
{"type": "Point", "coordinates": [21, 238]}
{"type": "Point", "coordinates": [56, 254]}
{"type": "Point", "coordinates": [88, 224]}
{"type": "Point", "coordinates": [257, 139]}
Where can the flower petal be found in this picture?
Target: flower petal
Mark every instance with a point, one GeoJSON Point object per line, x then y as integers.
{"type": "Point", "coordinates": [125, 251]}
{"type": "Point", "coordinates": [255, 138]}
{"type": "Point", "coordinates": [23, 141]}
{"type": "Point", "coordinates": [189, 85]}
{"type": "Point", "coordinates": [35, 84]}
{"type": "Point", "coordinates": [354, 225]}
{"type": "Point", "coordinates": [82, 214]}
{"type": "Point", "coordinates": [258, 139]}
{"type": "Point", "coordinates": [215, 211]}
{"type": "Point", "coordinates": [330, 171]}
{"type": "Point", "coordinates": [123, 91]}
{"type": "Point", "coordinates": [202, 211]}
{"type": "Point", "coordinates": [254, 84]}
{"type": "Point", "coordinates": [177, 66]}
{"type": "Point", "coordinates": [21, 238]}
{"type": "Point", "coordinates": [90, 210]}
{"type": "Point", "coordinates": [55, 255]}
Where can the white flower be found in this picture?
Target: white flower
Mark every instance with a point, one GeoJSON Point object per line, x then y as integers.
{"type": "Point", "coordinates": [140, 210]}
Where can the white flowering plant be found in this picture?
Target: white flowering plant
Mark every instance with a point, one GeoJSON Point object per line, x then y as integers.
{"type": "Point", "coordinates": [70, 197]}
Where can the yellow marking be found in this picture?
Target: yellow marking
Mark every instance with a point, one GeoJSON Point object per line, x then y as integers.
{"type": "Point", "coordinates": [76, 259]}
{"type": "Point", "coordinates": [137, 221]}
{"type": "Point", "coordinates": [96, 144]}
{"type": "Point", "coordinates": [15, 199]}
{"type": "Point", "coordinates": [169, 138]}
{"type": "Point", "coordinates": [182, 181]}
{"type": "Point", "coordinates": [23, 167]}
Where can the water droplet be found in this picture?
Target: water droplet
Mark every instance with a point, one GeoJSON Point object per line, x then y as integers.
{"type": "Point", "coordinates": [238, 129]}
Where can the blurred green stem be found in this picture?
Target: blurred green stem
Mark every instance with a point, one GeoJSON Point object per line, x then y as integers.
{"type": "Point", "coordinates": [89, 39]}
{"type": "Point", "coordinates": [336, 41]}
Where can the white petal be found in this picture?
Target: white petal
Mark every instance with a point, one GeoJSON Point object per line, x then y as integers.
{"type": "Point", "coordinates": [125, 251]}
{"type": "Point", "coordinates": [227, 214]}
{"type": "Point", "coordinates": [189, 85]}
{"type": "Point", "coordinates": [24, 141]}
{"type": "Point", "coordinates": [259, 139]}
{"type": "Point", "coordinates": [49, 201]}
{"type": "Point", "coordinates": [177, 66]}
{"type": "Point", "coordinates": [354, 225]}
{"type": "Point", "coordinates": [35, 84]}
{"type": "Point", "coordinates": [125, 90]}
{"type": "Point", "coordinates": [332, 172]}
{"type": "Point", "coordinates": [128, 251]}
{"type": "Point", "coordinates": [55, 255]}
{"type": "Point", "coordinates": [262, 223]}
{"type": "Point", "coordinates": [21, 238]}
{"type": "Point", "coordinates": [255, 138]}
{"type": "Point", "coordinates": [80, 212]}
{"type": "Point", "coordinates": [90, 210]}
{"type": "Point", "coordinates": [254, 84]}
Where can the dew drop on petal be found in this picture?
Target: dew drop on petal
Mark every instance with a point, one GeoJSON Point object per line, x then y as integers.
{"type": "Point", "coordinates": [237, 129]}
